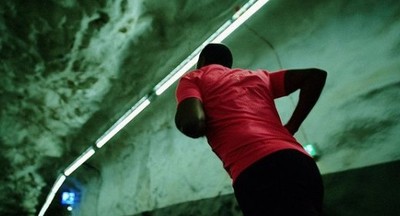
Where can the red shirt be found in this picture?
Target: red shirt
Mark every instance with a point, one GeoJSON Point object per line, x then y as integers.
{"type": "Point", "coordinates": [243, 124]}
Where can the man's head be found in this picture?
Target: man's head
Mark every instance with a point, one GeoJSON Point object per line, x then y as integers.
{"type": "Point", "coordinates": [215, 54]}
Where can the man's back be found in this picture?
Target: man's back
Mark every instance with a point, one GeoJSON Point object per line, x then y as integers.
{"type": "Point", "coordinates": [235, 110]}
{"type": "Point", "coordinates": [243, 124]}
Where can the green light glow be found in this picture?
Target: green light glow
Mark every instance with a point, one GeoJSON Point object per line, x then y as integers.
{"type": "Point", "coordinates": [312, 150]}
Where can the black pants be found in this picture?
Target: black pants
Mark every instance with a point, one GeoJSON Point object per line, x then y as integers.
{"type": "Point", "coordinates": [285, 183]}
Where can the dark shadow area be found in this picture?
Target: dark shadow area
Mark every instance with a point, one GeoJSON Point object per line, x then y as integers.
{"type": "Point", "coordinates": [368, 191]}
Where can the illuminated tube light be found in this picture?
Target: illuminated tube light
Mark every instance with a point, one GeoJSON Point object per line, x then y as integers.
{"type": "Point", "coordinates": [223, 32]}
{"type": "Point", "coordinates": [79, 161]}
{"type": "Point", "coordinates": [176, 74]}
{"type": "Point", "coordinates": [239, 18]}
{"type": "Point", "coordinates": [60, 180]}
{"type": "Point", "coordinates": [123, 121]}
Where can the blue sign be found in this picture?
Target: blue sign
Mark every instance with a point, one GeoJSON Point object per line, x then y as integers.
{"type": "Point", "coordinates": [68, 198]}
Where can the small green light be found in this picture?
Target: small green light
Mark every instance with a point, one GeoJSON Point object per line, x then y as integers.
{"type": "Point", "coordinates": [312, 150]}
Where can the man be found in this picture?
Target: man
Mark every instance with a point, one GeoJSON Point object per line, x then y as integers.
{"type": "Point", "coordinates": [234, 108]}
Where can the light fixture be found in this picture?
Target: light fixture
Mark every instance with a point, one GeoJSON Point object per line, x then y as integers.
{"type": "Point", "coordinates": [79, 161]}
{"type": "Point", "coordinates": [238, 19]}
{"type": "Point", "coordinates": [60, 180]}
{"type": "Point", "coordinates": [123, 121]}
{"type": "Point", "coordinates": [312, 150]}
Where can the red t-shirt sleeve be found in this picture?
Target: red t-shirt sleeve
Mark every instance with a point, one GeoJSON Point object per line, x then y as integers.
{"type": "Point", "coordinates": [277, 80]}
{"type": "Point", "coordinates": [187, 88]}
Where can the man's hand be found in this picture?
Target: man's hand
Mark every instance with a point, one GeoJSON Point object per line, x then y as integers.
{"type": "Point", "coordinates": [292, 130]}
{"type": "Point", "coordinates": [310, 82]}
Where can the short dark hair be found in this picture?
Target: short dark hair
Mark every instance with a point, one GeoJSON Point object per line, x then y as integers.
{"type": "Point", "coordinates": [215, 53]}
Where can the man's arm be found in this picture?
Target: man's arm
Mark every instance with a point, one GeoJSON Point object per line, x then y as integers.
{"type": "Point", "coordinates": [310, 82]}
{"type": "Point", "coordinates": [190, 118]}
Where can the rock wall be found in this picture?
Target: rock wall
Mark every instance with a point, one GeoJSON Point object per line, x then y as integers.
{"type": "Point", "coordinates": [66, 64]}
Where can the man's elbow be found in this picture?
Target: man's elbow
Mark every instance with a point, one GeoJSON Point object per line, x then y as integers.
{"type": "Point", "coordinates": [193, 129]}
{"type": "Point", "coordinates": [319, 74]}
{"type": "Point", "coordinates": [315, 80]}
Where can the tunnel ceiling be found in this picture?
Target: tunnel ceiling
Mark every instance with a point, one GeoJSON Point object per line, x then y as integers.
{"type": "Point", "coordinates": [69, 69]}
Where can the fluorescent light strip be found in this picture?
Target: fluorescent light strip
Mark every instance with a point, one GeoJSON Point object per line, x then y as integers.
{"type": "Point", "coordinates": [241, 18]}
{"type": "Point", "coordinates": [176, 74]}
{"type": "Point", "coordinates": [60, 180]}
{"type": "Point", "coordinates": [222, 33]}
{"type": "Point", "coordinates": [123, 121]}
{"type": "Point", "coordinates": [79, 161]}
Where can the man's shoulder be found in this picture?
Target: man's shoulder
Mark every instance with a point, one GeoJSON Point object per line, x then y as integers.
{"type": "Point", "coordinates": [192, 73]}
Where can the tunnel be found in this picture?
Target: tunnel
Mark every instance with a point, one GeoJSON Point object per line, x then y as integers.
{"type": "Point", "coordinates": [72, 70]}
